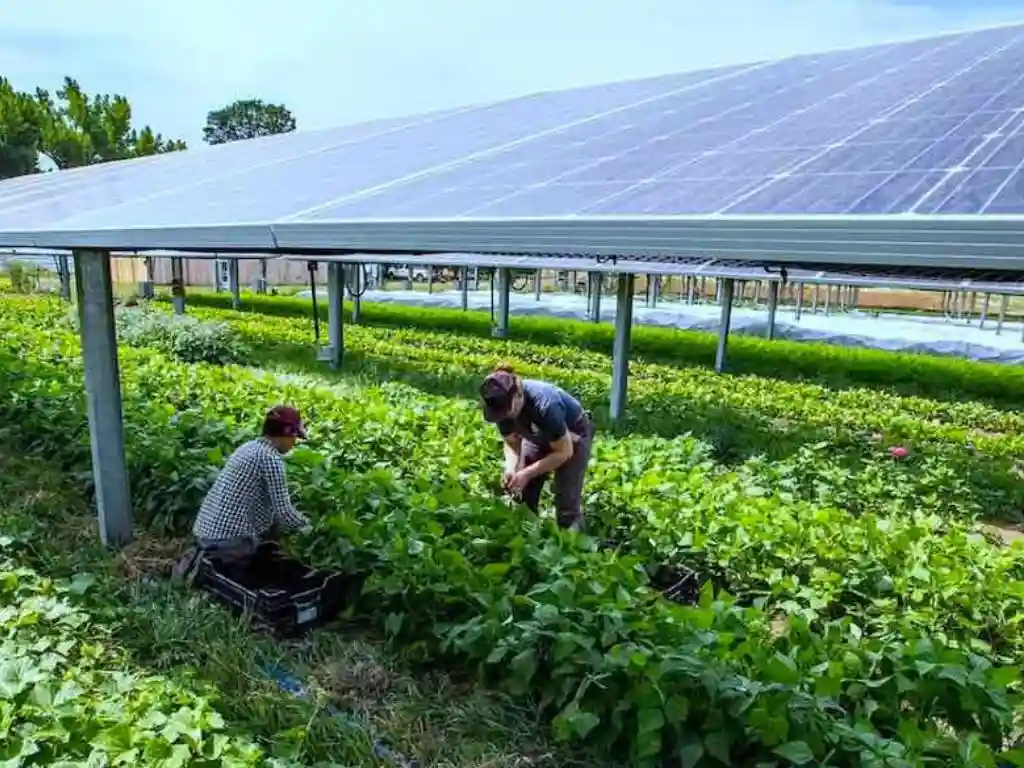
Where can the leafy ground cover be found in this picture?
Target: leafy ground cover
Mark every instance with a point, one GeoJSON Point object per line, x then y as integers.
{"type": "Point", "coordinates": [878, 664]}
{"type": "Point", "coordinates": [157, 634]}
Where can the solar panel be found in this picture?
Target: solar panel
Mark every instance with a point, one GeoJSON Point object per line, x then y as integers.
{"type": "Point", "coordinates": [927, 126]}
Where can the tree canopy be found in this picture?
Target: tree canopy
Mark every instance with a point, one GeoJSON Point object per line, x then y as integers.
{"type": "Point", "coordinates": [247, 119]}
{"type": "Point", "coordinates": [71, 128]}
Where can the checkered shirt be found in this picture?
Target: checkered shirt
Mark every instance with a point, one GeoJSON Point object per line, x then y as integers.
{"type": "Point", "coordinates": [249, 496]}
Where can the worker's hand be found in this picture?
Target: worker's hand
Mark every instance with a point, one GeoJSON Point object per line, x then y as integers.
{"type": "Point", "coordinates": [518, 482]}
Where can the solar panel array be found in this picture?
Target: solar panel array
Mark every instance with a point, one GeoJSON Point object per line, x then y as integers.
{"type": "Point", "coordinates": [927, 126]}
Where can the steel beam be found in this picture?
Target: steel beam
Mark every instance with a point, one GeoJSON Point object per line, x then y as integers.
{"type": "Point", "coordinates": [723, 325]}
{"type": "Point", "coordinates": [335, 304]}
{"type": "Point", "coordinates": [620, 348]}
{"type": "Point", "coordinates": [595, 296]}
{"type": "Point", "coordinates": [773, 305]}
{"type": "Point", "coordinates": [504, 288]}
{"type": "Point", "coordinates": [538, 279]}
{"type": "Point", "coordinates": [103, 395]}
{"type": "Point", "coordinates": [465, 288]}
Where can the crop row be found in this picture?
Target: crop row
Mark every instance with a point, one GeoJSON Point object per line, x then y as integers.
{"type": "Point", "coordinates": [67, 697]}
{"type": "Point", "coordinates": [395, 488]}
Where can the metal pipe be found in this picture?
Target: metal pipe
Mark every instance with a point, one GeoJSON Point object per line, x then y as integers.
{"type": "Point", "coordinates": [689, 289]}
{"type": "Point", "coordinates": [64, 273]}
{"type": "Point", "coordinates": [723, 325]}
{"type": "Point", "coordinates": [537, 280]}
{"type": "Point", "coordinates": [103, 395]}
{"type": "Point", "coordinates": [359, 278]}
{"type": "Point", "coordinates": [595, 296]}
{"type": "Point", "coordinates": [1002, 313]}
{"type": "Point", "coordinates": [620, 347]}
{"type": "Point", "coordinates": [178, 284]}
{"type": "Point", "coordinates": [261, 286]}
{"type": "Point", "coordinates": [773, 303]}
{"type": "Point", "coordinates": [984, 310]}
{"type": "Point", "coordinates": [335, 306]}
{"type": "Point", "coordinates": [814, 299]}
{"type": "Point", "coordinates": [504, 287]}
{"type": "Point", "coordinates": [799, 300]}
{"type": "Point", "coordinates": [465, 288]}
{"type": "Point", "coordinates": [236, 297]}
{"type": "Point", "coordinates": [430, 279]}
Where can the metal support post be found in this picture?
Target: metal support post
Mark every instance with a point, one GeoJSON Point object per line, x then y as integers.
{"type": "Point", "coordinates": [757, 293]}
{"type": "Point", "coordinates": [64, 274]}
{"type": "Point", "coordinates": [335, 304]}
{"type": "Point", "coordinates": [1003, 305]}
{"type": "Point", "coordinates": [145, 287]}
{"type": "Point", "coordinates": [723, 325]}
{"type": "Point", "coordinates": [465, 288]}
{"type": "Point", "coordinates": [430, 279]}
{"type": "Point", "coordinates": [689, 289]}
{"type": "Point", "coordinates": [620, 348]}
{"type": "Point", "coordinates": [538, 279]}
{"type": "Point", "coordinates": [799, 299]}
{"type": "Point", "coordinates": [595, 296]}
{"type": "Point", "coordinates": [408, 277]}
{"type": "Point", "coordinates": [261, 284]}
{"type": "Point", "coordinates": [504, 287]}
{"type": "Point", "coordinates": [773, 305]}
{"type": "Point", "coordinates": [984, 309]}
{"type": "Point", "coordinates": [178, 284]}
{"type": "Point", "coordinates": [359, 281]}
{"type": "Point", "coordinates": [655, 290]}
{"type": "Point", "coordinates": [103, 395]}
{"type": "Point", "coordinates": [236, 298]}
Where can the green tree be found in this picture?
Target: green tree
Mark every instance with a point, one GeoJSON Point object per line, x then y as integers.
{"type": "Point", "coordinates": [21, 132]}
{"type": "Point", "coordinates": [73, 129]}
{"type": "Point", "coordinates": [247, 119]}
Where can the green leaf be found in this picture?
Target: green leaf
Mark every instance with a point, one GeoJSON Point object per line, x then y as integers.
{"type": "Point", "coordinates": [796, 752]}
{"type": "Point", "coordinates": [649, 721]}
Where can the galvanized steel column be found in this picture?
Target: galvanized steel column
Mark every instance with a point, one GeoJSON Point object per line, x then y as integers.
{"type": "Point", "coordinates": [178, 284]}
{"type": "Point", "coordinates": [723, 325]}
{"type": "Point", "coordinates": [64, 273]}
{"type": "Point", "coordinates": [1002, 313]}
{"type": "Point", "coordinates": [773, 305]}
{"type": "Point", "coordinates": [103, 395]}
{"type": "Point", "coordinates": [620, 348]}
{"type": "Point", "coordinates": [236, 298]}
{"type": "Point", "coordinates": [537, 281]}
{"type": "Point", "coordinates": [465, 288]}
{"type": "Point", "coordinates": [595, 296]}
{"type": "Point", "coordinates": [504, 288]}
{"type": "Point", "coordinates": [358, 273]}
{"type": "Point", "coordinates": [335, 299]}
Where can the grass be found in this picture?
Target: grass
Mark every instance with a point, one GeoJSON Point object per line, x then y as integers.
{"type": "Point", "coordinates": [434, 716]}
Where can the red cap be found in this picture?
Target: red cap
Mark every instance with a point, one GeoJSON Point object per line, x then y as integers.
{"type": "Point", "coordinates": [283, 421]}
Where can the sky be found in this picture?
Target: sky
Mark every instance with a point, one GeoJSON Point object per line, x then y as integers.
{"type": "Point", "coordinates": [340, 61]}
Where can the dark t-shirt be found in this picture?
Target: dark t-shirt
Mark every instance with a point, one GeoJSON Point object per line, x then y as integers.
{"type": "Point", "coordinates": [548, 412]}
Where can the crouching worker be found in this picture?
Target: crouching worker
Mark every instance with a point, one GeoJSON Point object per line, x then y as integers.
{"type": "Point", "coordinates": [546, 432]}
{"type": "Point", "coordinates": [249, 502]}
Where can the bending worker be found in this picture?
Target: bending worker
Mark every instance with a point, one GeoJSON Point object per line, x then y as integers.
{"type": "Point", "coordinates": [546, 431]}
{"type": "Point", "coordinates": [249, 502]}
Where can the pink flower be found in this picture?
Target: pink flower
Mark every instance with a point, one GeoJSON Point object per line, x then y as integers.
{"type": "Point", "coordinates": [898, 452]}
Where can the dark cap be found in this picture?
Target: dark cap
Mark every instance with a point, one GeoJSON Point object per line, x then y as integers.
{"type": "Point", "coordinates": [283, 421]}
{"type": "Point", "coordinates": [497, 392]}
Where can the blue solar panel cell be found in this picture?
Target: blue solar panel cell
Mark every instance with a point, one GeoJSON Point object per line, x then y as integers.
{"type": "Point", "coordinates": [964, 192]}
{"type": "Point", "coordinates": [929, 125]}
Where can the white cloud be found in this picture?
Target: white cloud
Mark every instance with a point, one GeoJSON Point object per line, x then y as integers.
{"type": "Point", "coordinates": [337, 62]}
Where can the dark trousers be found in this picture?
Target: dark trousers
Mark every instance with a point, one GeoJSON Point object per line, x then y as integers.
{"type": "Point", "coordinates": [568, 480]}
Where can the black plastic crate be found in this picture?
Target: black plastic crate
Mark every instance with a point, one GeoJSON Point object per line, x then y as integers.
{"type": "Point", "coordinates": [280, 593]}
